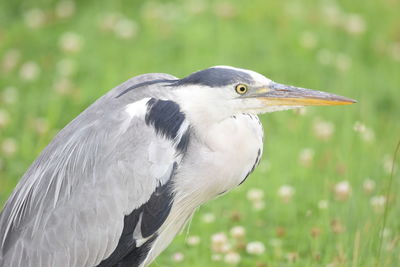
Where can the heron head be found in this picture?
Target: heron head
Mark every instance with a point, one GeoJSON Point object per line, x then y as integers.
{"type": "Point", "coordinates": [232, 90]}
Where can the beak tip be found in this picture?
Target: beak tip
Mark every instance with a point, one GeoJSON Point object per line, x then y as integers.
{"type": "Point", "coordinates": [351, 101]}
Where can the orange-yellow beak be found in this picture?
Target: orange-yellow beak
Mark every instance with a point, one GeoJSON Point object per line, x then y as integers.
{"type": "Point", "coordinates": [277, 94]}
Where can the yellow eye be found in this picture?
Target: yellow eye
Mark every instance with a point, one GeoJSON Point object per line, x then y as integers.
{"type": "Point", "coordinates": [241, 89]}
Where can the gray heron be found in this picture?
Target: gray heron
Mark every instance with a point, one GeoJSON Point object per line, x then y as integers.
{"type": "Point", "coordinates": [117, 184]}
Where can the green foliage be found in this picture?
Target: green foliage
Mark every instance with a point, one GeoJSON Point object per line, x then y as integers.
{"type": "Point", "coordinates": [58, 57]}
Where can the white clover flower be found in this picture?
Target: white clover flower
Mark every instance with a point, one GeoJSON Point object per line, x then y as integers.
{"type": "Point", "coordinates": [152, 11]}
{"type": "Point", "coordinates": [10, 59]}
{"type": "Point", "coordinates": [385, 233]}
{"type": "Point", "coordinates": [388, 164]}
{"type": "Point", "coordinates": [232, 258]}
{"type": "Point", "coordinates": [275, 242]}
{"type": "Point", "coordinates": [108, 21]}
{"type": "Point", "coordinates": [286, 192]}
{"type": "Point", "coordinates": [9, 95]}
{"type": "Point", "coordinates": [300, 111]}
{"type": "Point", "coordinates": [208, 218]}
{"type": "Point", "coordinates": [4, 118]}
{"type": "Point", "coordinates": [219, 238]}
{"type": "Point", "coordinates": [34, 18]}
{"type": "Point", "coordinates": [378, 203]}
{"type": "Point", "coordinates": [29, 71]}
{"type": "Point", "coordinates": [255, 194]}
{"type": "Point", "coordinates": [308, 213]}
{"type": "Point", "coordinates": [323, 130]}
{"type": "Point", "coordinates": [308, 40]}
{"type": "Point", "coordinates": [162, 12]}
{"type": "Point", "coordinates": [63, 86]}
{"type": "Point", "coordinates": [9, 146]}
{"type": "Point", "coordinates": [306, 157]}
{"type": "Point", "coordinates": [125, 28]}
{"type": "Point", "coordinates": [258, 205]}
{"type": "Point", "coordinates": [40, 125]}
{"type": "Point", "coordinates": [195, 7]}
{"type": "Point", "coordinates": [264, 166]}
{"type": "Point", "coordinates": [66, 67]}
{"type": "Point", "coordinates": [238, 232]}
{"type": "Point", "coordinates": [70, 42]}
{"type": "Point", "coordinates": [292, 257]}
{"type": "Point", "coordinates": [325, 57]}
{"type": "Point", "coordinates": [359, 127]}
{"type": "Point", "coordinates": [323, 204]}
{"type": "Point", "coordinates": [332, 14]}
{"type": "Point", "coordinates": [178, 257]}
{"type": "Point", "coordinates": [65, 9]}
{"type": "Point", "coordinates": [343, 62]}
{"type": "Point", "coordinates": [294, 9]}
{"type": "Point", "coordinates": [342, 190]}
{"type": "Point", "coordinates": [354, 24]}
{"type": "Point", "coordinates": [366, 133]}
{"type": "Point", "coordinates": [369, 186]}
{"type": "Point", "coordinates": [219, 243]}
{"type": "Point", "coordinates": [216, 257]}
{"type": "Point", "coordinates": [225, 10]}
{"type": "Point", "coordinates": [171, 12]}
{"type": "Point", "coordinates": [193, 240]}
{"type": "Point", "coordinates": [394, 50]}
{"type": "Point", "coordinates": [255, 248]}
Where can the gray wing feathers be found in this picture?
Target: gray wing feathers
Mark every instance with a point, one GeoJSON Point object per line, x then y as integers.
{"type": "Point", "coordinates": [68, 208]}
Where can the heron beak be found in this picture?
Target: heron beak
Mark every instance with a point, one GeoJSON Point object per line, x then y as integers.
{"type": "Point", "coordinates": [284, 95]}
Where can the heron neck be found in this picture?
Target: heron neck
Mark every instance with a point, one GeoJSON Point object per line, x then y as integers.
{"type": "Point", "coordinates": [202, 111]}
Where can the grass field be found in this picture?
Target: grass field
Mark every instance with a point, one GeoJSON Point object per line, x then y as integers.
{"type": "Point", "coordinates": [323, 194]}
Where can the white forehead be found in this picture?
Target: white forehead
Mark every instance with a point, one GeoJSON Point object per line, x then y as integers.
{"type": "Point", "coordinates": [257, 77]}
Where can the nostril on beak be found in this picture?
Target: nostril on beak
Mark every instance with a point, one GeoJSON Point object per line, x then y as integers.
{"type": "Point", "coordinates": [282, 90]}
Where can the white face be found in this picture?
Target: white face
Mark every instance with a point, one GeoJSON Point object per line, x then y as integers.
{"type": "Point", "coordinates": [253, 105]}
{"type": "Point", "coordinates": [222, 91]}
{"type": "Point", "coordinates": [226, 101]}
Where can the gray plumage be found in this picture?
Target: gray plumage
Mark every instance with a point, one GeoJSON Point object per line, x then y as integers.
{"type": "Point", "coordinates": [81, 185]}
{"type": "Point", "coordinates": [121, 180]}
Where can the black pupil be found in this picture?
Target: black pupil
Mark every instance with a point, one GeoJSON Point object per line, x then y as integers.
{"type": "Point", "coordinates": [242, 88]}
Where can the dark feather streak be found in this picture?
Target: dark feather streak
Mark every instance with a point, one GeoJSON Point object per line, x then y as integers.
{"type": "Point", "coordinates": [254, 166]}
{"type": "Point", "coordinates": [184, 142]}
{"type": "Point", "coordinates": [165, 116]}
{"type": "Point", "coordinates": [154, 212]}
{"type": "Point", "coordinates": [147, 83]}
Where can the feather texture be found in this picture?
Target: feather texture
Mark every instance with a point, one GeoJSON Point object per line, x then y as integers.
{"type": "Point", "coordinates": [69, 208]}
{"type": "Point", "coordinates": [117, 184]}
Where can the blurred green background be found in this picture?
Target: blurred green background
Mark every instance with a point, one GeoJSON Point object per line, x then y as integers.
{"type": "Point", "coordinates": [318, 197]}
